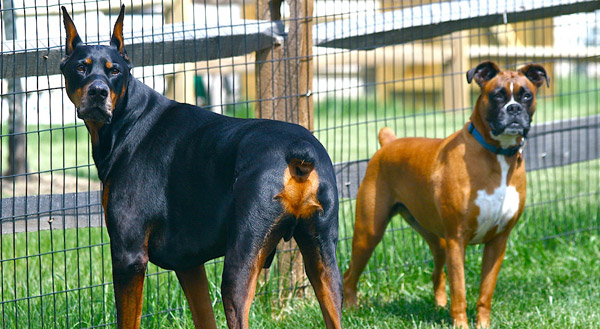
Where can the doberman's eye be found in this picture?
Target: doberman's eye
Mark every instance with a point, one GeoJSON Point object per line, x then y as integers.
{"type": "Point", "coordinates": [115, 71]}
{"type": "Point", "coordinates": [80, 68]}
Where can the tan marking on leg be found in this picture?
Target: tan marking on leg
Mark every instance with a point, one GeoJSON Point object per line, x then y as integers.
{"type": "Point", "coordinates": [322, 279]}
{"type": "Point", "coordinates": [195, 286]}
{"type": "Point", "coordinates": [253, 277]}
{"type": "Point", "coordinates": [322, 284]}
{"type": "Point", "coordinates": [128, 298]}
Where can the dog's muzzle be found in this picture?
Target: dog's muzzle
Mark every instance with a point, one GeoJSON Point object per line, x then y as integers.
{"type": "Point", "coordinates": [513, 120]}
{"type": "Point", "coordinates": [96, 104]}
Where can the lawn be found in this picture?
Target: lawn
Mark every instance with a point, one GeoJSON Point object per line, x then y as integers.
{"type": "Point", "coordinates": [62, 278]}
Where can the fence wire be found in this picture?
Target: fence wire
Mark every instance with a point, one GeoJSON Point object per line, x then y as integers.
{"type": "Point", "coordinates": [390, 63]}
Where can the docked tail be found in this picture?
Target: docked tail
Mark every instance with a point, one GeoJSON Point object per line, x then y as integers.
{"type": "Point", "coordinates": [300, 181]}
{"type": "Point", "coordinates": [386, 135]}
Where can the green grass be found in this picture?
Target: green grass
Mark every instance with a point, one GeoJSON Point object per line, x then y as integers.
{"type": "Point", "coordinates": [63, 277]}
{"type": "Point", "coordinates": [543, 284]}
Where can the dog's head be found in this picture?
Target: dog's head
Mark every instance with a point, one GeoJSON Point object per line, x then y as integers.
{"type": "Point", "coordinates": [96, 77]}
{"type": "Point", "coordinates": [507, 100]}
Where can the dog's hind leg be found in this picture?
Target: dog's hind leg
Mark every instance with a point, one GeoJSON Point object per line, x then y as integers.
{"type": "Point", "coordinates": [195, 286]}
{"type": "Point", "coordinates": [252, 240]}
{"type": "Point", "coordinates": [374, 205]}
{"type": "Point", "coordinates": [317, 243]}
{"type": "Point", "coordinates": [437, 246]}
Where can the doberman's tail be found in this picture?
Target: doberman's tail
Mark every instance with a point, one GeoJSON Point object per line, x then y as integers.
{"type": "Point", "coordinates": [300, 186]}
{"type": "Point", "coordinates": [300, 181]}
{"type": "Point", "coordinates": [386, 135]}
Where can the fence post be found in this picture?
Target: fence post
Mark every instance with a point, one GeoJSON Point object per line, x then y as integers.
{"type": "Point", "coordinates": [270, 77]}
{"type": "Point", "coordinates": [284, 83]}
{"type": "Point", "coordinates": [180, 84]}
{"type": "Point", "coordinates": [299, 65]}
{"type": "Point", "coordinates": [17, 163]}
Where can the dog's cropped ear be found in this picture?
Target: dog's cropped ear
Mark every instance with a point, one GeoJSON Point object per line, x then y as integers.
{"type": "Point", "coordinates": [483, 72]}
{"type": "Point", "coordinates": [536, 74]}
{"type": "Point", "coordinates": [73, 38]}
{"type": "Point", "coordinates": [117, 36]}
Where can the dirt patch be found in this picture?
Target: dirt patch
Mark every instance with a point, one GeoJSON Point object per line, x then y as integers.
{"type": "Point", "coordinates": [40, 184]}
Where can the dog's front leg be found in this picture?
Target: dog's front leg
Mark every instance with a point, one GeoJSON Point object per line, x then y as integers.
{"type": "Point", "coordinates": [455, 257]}
{"type": "Point", "coordinates": [493, 255]}
{"type": "Point", "coordinates": [129, 270]}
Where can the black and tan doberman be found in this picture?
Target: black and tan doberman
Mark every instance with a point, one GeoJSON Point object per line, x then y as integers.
{"type": "Point", "coordinates": [183, 185]}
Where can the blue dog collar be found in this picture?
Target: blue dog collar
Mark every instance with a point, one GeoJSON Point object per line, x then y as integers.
{"type": "Point", "coordinates": [494, 149]}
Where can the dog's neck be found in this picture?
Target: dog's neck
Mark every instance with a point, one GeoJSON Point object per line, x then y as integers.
{"type": "Point", "coordinates": [112, 140]}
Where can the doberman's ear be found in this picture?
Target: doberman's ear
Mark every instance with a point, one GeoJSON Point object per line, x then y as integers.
{"type": "Point", "coordinates": [73, 38]}
{"type": "Point", "coordinates": [117, 36]}
{"type": "Point", "coordinates": [483, 72]}
{"type": "Point", "coordinates": [536, 74]}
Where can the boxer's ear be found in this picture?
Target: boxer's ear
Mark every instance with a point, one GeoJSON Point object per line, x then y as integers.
{"type": "Point", "coordinates": [483, 72]}
{"type": "Point", "coordinates": [536, 74]}
{"type": "Point", "coordinates": [73, 38]}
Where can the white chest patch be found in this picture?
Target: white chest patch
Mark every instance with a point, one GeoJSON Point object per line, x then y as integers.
{"type": "Point", "coordinates": [496, 209]}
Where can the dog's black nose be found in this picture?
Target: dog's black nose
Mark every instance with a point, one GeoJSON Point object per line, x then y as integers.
{"type": "Point", "coordinates": [514, 109]}
{"type": "Point", "coordinates": [98, 90]}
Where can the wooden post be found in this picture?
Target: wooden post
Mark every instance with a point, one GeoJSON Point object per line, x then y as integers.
{"type": "Point", "coordinates": [180, 85]}
{"type": "Point", "coordinates": [270, 77]}
{"type": "Point", "coordinates": [284, 84]}
{"type": "Point", "coordinates": [285, 72]}
{"type": "Point", "coordinates": [17, 149]}
{"type": "Point", "coordinates": [299, 66]}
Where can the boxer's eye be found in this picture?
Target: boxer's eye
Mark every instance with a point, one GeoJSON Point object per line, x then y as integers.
{"type": "Point", "coordinates": [499, 96]}
{"type": "Point", "coordinates": [527, 97]}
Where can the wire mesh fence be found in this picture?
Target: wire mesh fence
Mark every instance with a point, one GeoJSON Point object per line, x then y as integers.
{"type": "Point", "coordinates": [344, 69]}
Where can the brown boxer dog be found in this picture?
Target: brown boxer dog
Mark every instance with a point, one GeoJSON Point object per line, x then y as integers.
{"type": "Point", "coordinates": [466, 189]}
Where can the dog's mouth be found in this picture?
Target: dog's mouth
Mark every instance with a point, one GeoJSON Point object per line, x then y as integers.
{"type": "Point", "coordinates": [514, 128]}
{"type": "Point", "coordinates": [97, 113]}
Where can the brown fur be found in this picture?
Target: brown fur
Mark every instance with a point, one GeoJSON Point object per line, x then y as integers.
{"type": "Point", "coordinates": [300, 187]}
{"type": "Point", "coordinates": [195, 286]}
{"type": "Point", "coordinates": [386, 135]}
{"type": "Point", "coordinates": [434, 183]}
{"type": "Point", "coordinates": [94, 128]}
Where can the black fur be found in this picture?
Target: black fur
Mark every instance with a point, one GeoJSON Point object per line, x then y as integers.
{"type": "Point", "coordinates": [184, 185]}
